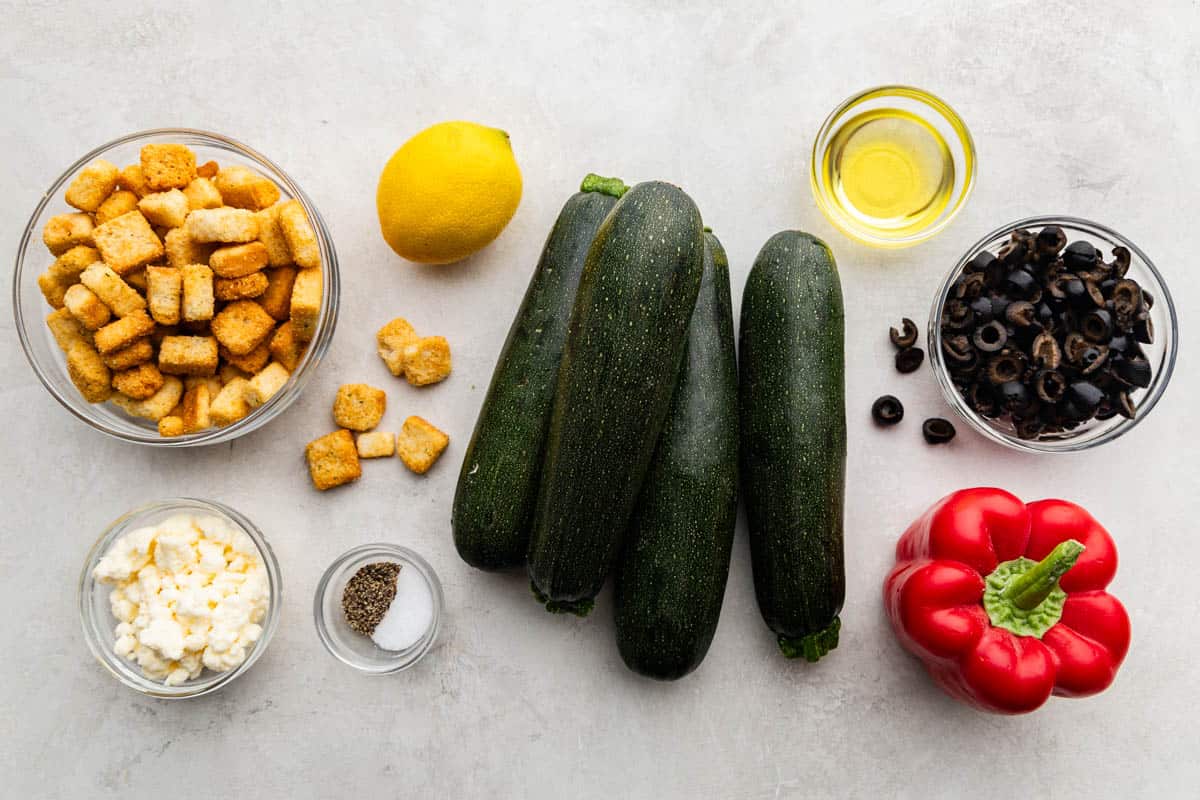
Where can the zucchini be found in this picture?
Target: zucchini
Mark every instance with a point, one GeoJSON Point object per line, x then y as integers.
{"type": "Point", "coordinates": [497, 486]}
{"type": "Point", "coordinates": [793, 447]}
{"type": "Point", "coordinates": [618, 372]}
{"type": "Point", "coordinates": [670, 579]}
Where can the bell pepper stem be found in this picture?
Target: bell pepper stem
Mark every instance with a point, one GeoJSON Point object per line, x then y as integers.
{"type": "Point", "coordinates": [614, 187]}
{"type": "Point", "coordinates": [1027, 591]}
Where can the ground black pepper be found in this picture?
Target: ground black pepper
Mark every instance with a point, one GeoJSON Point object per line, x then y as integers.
{"type": "Point", "coordinates": [368, 595]}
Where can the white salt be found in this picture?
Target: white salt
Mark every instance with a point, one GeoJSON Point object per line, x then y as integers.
{"type": "Point", "coordinates": [410, 614]}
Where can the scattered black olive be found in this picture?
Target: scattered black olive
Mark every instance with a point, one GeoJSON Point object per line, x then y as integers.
{"type": "Point", "coordinates": [937, 430]}
{"type": "Point", "coordinates": [1080, 255]}
{"type": "Point", "coordinates": [990, 338]}
{"type": "Point", "coordinates": [905, 338]}
{"type": "Point", "coordinates": [1021, 313]}
{"type": "Point", "coordinates": [887, 410]}
{"type": "Point", "coordinates": [909, 359]}
{"type": "Point", "coordinates": [1097, 325]}
{"type": "Point", "coordinates": [1050, 385]}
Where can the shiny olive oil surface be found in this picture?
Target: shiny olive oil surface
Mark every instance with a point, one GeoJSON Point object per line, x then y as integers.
{"type": "Point", "coordinates": [890, 171]}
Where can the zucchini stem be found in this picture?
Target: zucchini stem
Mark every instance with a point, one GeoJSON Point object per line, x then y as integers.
{"type": "Point", "coordinates": [614, 187]}
{"type": "Point", "coordinates": [814, 645]}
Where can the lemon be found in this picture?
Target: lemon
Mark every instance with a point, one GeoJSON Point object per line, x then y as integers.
{"type": "Point", "coordinates": [448, 192]}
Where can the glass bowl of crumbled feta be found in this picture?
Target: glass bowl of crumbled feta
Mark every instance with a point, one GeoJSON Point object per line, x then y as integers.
{"type": "Point", "coordinates": [179, 597]}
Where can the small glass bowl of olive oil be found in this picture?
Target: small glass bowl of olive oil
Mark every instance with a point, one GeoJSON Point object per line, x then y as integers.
{"type": "Point", "coordinates": [892, 166]}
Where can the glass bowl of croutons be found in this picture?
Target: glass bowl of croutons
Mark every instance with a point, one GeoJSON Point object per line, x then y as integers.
{"type": "Point", "coordinates": [175, 288]}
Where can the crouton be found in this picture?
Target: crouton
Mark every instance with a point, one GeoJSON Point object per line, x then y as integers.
{"type": "Point", "coordinates": [211, 381]}
{"type": "Point", "coordinates": [222, 225]}
{"type": "Point", "coordinates": [188, 355]}
{"type": "Point", "coordinates": [358, 406]}
{"type": "Point", "coordinates": [65, 329]}
{"type": "Point", "coordinates": [168, 166]}
{"type": "Point", "coordinates": [119, 202]}
{"type": "Point", "coordinates": [88, 372]}
{"type": "Point", "coordinates": [131, 355]}
{"type": "Point", "coordinates": [243, 288]}
{"type": "Point", "coordinates": [230, 403]}
{"type": "Point", "coordinates": [181, 250]}
{"type": "Point", "coordinates": [271, 235]}
{"type": "Point", "coordinates": [419, 444]}
{"type": "Point", "coordinates": [242, 187]}
{"type": "Point", "coordinates": [242, 326]}
{"type": "Point", "coordinates": [157, 405]}
{"type": "Point", "coordinates": [228, 372]}
{"type": "Point", "coordinates": [196, 414]}
{"type": "Point", "coordinates": [239, 260]}
{"type": "Point", "coordinates": [134, 180]}
{"type": "Point", "coordinates": [121, 298]}
{"type": "Point", "coordinates": [92, 185]}
{"type": "Point", "coordinates": [427, 360]}
{"type": "Point", "coordinates": [392, 340]}
{"type": "Point", "coordinates": [251, 362]}
{"type": "Point", "coordinates": [306, 303]}
{"type": "Point", "coordinates": [66, 268]}
{"type": "Point", "coordinates": [170, 425]}
{"type": "Point", "coordinates": [276, 300]}
{"type": "Point", "coordinates": [198, 303]}
{"type": "Point", "coordinates": [123, 332]}
{"type": "Point", "coordinates": [263, 386]}
{"type": "Point", "coordinates": [164, 294]}
{"type": "Point", "coordinates": [168, 209]}
{"type": "Point", "coordinates": [86, 307]}
{"type": "Point", "coordinates": [377, 444]}
{"type": "Point", "coordinates": [333, 460]}
{"type": "Point", "coordinates": [202, 193]}
{"type": "Point", "coordinates": [54, 290]}
{"type": "Point", "coordinates": [64, 231]}
{"type": "Point", "coordinates": [140, 382]}
{"type": "Point", "coordinates": [137, 279]}
{"type": "Point", "coordinates": [286, 348]}
{"type": "Point", "coordinates": [299, 235]}
{"type": "Point", "coordinates": [127, 242]}
{"type": "Point", "coordinates": [208, 169]}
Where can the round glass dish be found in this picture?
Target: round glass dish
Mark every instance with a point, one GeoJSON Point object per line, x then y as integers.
{"type": "Point", "coordinates": [353, 648]}
{"type": "Point", "coordinates": [930, 111]}
{"type": "Point", "coordinates": [98, 622]}
{"type": "Point", "coordinates": [1161, 354]}
{"type": "Point", "coordinates": [30, 308]}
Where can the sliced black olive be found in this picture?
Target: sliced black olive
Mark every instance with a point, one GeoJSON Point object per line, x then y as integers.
{"type": "Point", "coordinates": [1106, 410]}
{"type": "Point", "coordinates": [907, 337]}
{"type": "Point", "coordinates": [1015, 397]}
{"type": "Point", "coordinates": [1045, 314]}
{"type": "Point", "coordinates": [1050, 240]}
{"type": "Point", "coordinates": [957, 315]}
{"type": "Point", "coordinates": [1057, 288]}
{"type": "Point", "coordinates": [1074, 346]}
{"type": "Point", "coordinates": [967, 366]}
{"type": "Point", "coordinates": [1077, 294]}
{"type": "Point", "coordinates": [969, 286]}
{"type": "Point", "coordinates": [1127, 298]}
{"type": "Point", "coordinates": [981, 308]}
{"type": "Point", "coordinates": [1021, 313]}
{"type": "Point", "coordinates": [1080, 255]}
{"type": "Point", "coordinates": [983, 400]}
{"type": "Point", "coordinates": [1143, 330]}
{"type": "Point", "coordinates": [937, 430]}
{"type": "Point", "coordinates": [1071, 414]}
{"type": "Point", "coordinates": [1125, 406]}
{"type": "Point", "coordinates": [1045, 352]}
{"type": "Point", "coordinates": [1133, 371]}
{"type": "Point", "coordinates": [1094, 358]}
{"type": "Point", "coordinates": [957, 347]}
{"type": "Point", "coordinates": [1093, 291]}
{"type": "Point", "coordinates": [980, 263]}
{"type": "Point", "coordinates": [1086, 396]}
{"type": "Point", "coordinates": [1020, 284]}
{"type": "Point", "coordinates": [1029, 427]}
{"type": "Point", "coordinates": [990, 338]}
{"type": "Point", "coordinates": [1119, 344]}
{"type": "Point", "coordinates": [1050, 385]}
{"type": "Point", "coordinates": [993, 275]}
{"type": "Point", "coordinates": [1147, 300]}
{"type": "Point", "coordinates": [1097, 325]}
{"type": "Point", "coordinates": [1013, 252]}
{"type": "Point", "coordinates": [887, 410]}
{"type": "Point", "coordinates": [909, 359]}
{"type": "Point", "coordinates": [1004, 367]}
{"type": "Point", "coordinates": [1121, 259]}
{"type": "Point", "coordinates": [1106, 287]}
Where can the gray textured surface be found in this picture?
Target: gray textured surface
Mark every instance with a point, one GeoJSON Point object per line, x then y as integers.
{"type": "Point", "coordinates": [1081, 108]}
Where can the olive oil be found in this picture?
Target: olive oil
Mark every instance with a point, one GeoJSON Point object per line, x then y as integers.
{"type": "Point", "coordinates": [889, 170]}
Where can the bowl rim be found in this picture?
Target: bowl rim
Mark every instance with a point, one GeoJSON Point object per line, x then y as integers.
{"type": "Point", "coordinates": [1068, 444]}
{"type": "Point", "coordinates": [913, 93]}
{"type": "Point", "coordinates": [88, 583]}
{"type": "Point", "coordinates": [382, 550]}
{"type": "Point", "coordinates": [326, 323]}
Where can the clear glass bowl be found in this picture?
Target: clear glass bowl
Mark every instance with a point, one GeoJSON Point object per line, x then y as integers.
{"type": "Point", "coordinates": [1161, 353]}
{"type": "Point", "coordinates": [930, 109]}
{"type": "Point", "coordinates": [98, 622]}
{"type": "Point", "coordinates": [352, 648]}
{"type": "Point", "coordinates": [30, 308]}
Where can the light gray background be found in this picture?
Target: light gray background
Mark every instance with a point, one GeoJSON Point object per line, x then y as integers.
{"type": "Point", "coordinates": [1087, 109]}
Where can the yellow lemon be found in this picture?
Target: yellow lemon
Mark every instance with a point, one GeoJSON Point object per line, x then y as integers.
{"type": "Point", "coordinates": [448, 192]}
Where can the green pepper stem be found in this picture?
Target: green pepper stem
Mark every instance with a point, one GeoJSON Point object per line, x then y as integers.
{"type": "Point", "coordinates": [1029, 589]}
{"type": "Point", "coordinates": [614, 187]}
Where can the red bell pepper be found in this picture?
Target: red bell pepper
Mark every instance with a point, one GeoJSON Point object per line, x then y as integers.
{"type": "Point", "coordinates": [1005, 603]}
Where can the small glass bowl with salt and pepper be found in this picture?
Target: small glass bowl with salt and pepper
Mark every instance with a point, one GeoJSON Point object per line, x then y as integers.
{"type": "Point", "coordinates": [378, 608]}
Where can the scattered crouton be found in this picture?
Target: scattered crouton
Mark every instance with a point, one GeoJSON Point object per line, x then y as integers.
{"type": "Point", "coordinates": [127, 242]}
{"type": "Point", "coordinates": [358, 406]}
{"type": "Point", "coordinates": [242, 326]}
{"type": "Point", "coordinates": [65, 329]}
{"type": "Point", "coordinates": [419, 444]}
{"type": "Point", "coordinates": [86, 307]}
{"type": "Point", "coordinates": [202, 193]}
{"type": "Point", "coordinates": [392, 340]}
{"type": "Point", "coordinates": [119, 202]}
{"type": "Point", "coordinates": [244, 288]}
{"type": "Point", "coordinates": [88, 372]}
{"type": "Point", "coordinates": [286, 348]}
{"type": "Point", "coordinates": [188, 355]}
{"type": "Point", "coordinates": [222, 225]}
{"type": "Point", "coordinates": [242, 187]}
{"type": "Point", "coordinates": [182, 250]}
{"type": "Point", "coordinates": [168, 209]}
{"type": "Point", "coordinates": [299, 235]}
{"type": "Point", "coordinates": [377, 444]}
{"type": "Point", "coordinates": [131, 355]}
{"type": "Point", "coordinates": [123, 332]}
{"type": "Point", "coordinates": [170, 425]}
{"type": "Point", "coordinates": [134, 180]}
{"type": "Point", "coordinates": [157, 405]}
{"type": "Point", "coordinates": [198, 302]}
{"type": "Point", "coordinates": [230, 403]}
{"type": "Point", "coordinates": [271, 235]}
{"type": "Point", "coordinates": [276, 300]}
{"type": "Point", "coordinates": [196, 414]}
{"type": "Point", "coordinates": [238, 260]}
{"type": "Point", "coordinates": [251, 362]}
{"type": "Point", "coordinates": [64, 231]}
{"type": "Point", "coordinates": [92, 185]}
{"type": "Point", "coordinates": [114, 292]}
{"type": "Point", "coordinates": [263, 386]}
{"type": "Point", "coordinates": [168, 166]}
{"type": "Point", "coordinates": [208, 169]}
{"type": "Point", "coordinates": [427, 360]}
{"type": "Point", "coordinates": [140, 382]}
{"type": "Point", "coordinates": [54, 290]}
{"type": "Point", "coordinates": [164, 294]}
{"type": "Point", "coordinates": [333, 460]}
{"type": "Point", "coordinates": [306, 303]}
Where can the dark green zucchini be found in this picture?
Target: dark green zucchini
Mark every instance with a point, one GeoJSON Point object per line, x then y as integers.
{"type": "Point", "coordinates": [793, 447]}
{"type": "Point", "coordinates": [497, 486]}
{"type": "Point", "coordinates": [670, 578]}
{"type": "Point", "coordinates": [619, 369]}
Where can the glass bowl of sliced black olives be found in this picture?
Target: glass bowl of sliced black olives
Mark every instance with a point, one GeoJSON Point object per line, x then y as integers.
{"type": "Point", "coordinates": [1053, 334]}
